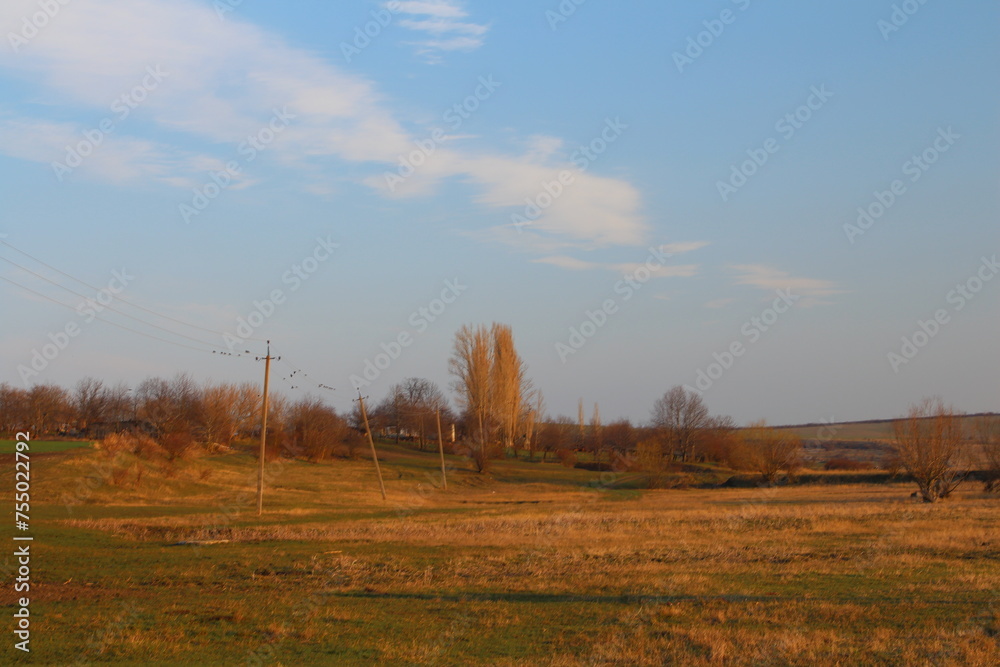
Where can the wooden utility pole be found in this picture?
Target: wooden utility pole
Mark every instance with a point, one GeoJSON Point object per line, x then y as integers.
{"type": "Point", "coordinates": [263, 430]}
{"type": "Point", "coordinates": [444, 475]}
{"type": "Point", "coordinates": [371, 441]}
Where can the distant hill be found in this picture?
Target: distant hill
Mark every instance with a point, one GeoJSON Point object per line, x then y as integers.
{"type": "Point", "coordinates": [868, 441]}
{"type": "Point", "coordinates": [870, 430]}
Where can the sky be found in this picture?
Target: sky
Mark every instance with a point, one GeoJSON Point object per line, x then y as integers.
{"type": "Point", "coordinates": [790, 208]}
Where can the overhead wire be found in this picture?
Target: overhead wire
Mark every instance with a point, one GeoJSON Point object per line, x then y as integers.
{"type": "Point", "coordinates": [117, 297]}
{"type": "Point", "coordinates": [107, 306]}
{"type": "Point", "coordinates": [121, 326]}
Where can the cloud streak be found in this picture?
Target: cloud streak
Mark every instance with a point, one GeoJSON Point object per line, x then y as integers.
{"type": "Point", "coordinates": [656, 270]}
{"type": "Point", "coordinates": [225, 80]}
{"type": "Point", "coordinates": [442, 21]}
{"type": "Point", "coordinates": [768, 278]}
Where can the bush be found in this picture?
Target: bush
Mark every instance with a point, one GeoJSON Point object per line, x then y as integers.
{"type": "Point", "coordinates": [177, 444]}
{"type": "Point", "coordinates": [567, 457]}
{"type": "Point", "coordinates": [139, 444]}
{"type": "Point", "coordinates": [845, 464]}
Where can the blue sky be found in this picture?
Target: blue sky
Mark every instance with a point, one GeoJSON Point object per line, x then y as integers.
{"type": "Point", "coordinates": [235, 150]}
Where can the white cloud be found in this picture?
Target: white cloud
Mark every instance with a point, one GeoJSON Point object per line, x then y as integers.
{"type": "Point", "coordinates": [627, 268]}
{"type": "Point", "coordinates": [657, 269]}
{"type": "Point", "coordinates": [117, 159]}
{"type": "Point", "coordinates": [223, 81]}
{"type": "Point", "coordinates": [440, 8]}
{"type": "Point", "coordinates": [442, 21]}
{"type": "Point", "coordinates": [768, 278]}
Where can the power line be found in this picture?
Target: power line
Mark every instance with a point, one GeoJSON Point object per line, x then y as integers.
{"type": "Point", "coordinates": [115, 310]}
{"type": "Point", "coordinates": [122, 326]}
{"type": "Point", "coordinates": [118, 297]}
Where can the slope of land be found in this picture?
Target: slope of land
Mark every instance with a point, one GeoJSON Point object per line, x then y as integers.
{"type": "Point", "coordinates": [532, 564]}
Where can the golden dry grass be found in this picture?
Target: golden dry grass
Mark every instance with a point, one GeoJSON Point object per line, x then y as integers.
{"type": "Point", "coordinates": [526, 569]}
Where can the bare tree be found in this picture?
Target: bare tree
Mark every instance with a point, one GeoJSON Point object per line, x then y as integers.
{"type": "Point", "coordinates": [471, 364]}
{"type": "Point", "coordinates": [390, 413]}
{"type": "Point", "coordinates": [315, 429]}
{"type": "Point", "coordinates": [532, 423]}
{"type": "Point", "coordinates": [492, 386]}
{"type": "Point", "coordinates": [220, 414]}
{"type": "Point", "coordinates": [928, 444]}
{"type": "Point", "coordinates": [508, 384]}
{"type": "Point", "coordinates": [90, 400]}
{"type": "Point", "coordinates": [596, 435]}
{"type": "Point", "coordinates": [48, 407]}
{"type": "Point", "coordinates": [769, 451]}
{"type": "Point", "coordinates": [421, 399]}
{"type": "Point", "coordinates": [170, 406]}
{"type": "Point", "coordinates": [988, 433]}
{"type": "Point", "coordinates": [13, 409]}
{"type": "Point", "coordinates": [620, 437]}
{"type": "Point", "coordinates": [679, 416]}
{"type": "Point", "coordinates": [556, 435]}
{"type": "Point", "coordinates": [720, 440]}
{"type": "Point", "coordinates": [120, 405]}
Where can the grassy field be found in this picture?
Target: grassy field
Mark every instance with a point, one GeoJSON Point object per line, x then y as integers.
{"type": "Point", "coordinates": [534, 564]}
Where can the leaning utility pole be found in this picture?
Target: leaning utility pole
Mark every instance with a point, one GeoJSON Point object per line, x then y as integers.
{"type": "Point", "coordinates": [444, 475]}
{"type": "Point", "coordinates": [263, 430]}
{"type": "Point", "coordinates": [371, 441]}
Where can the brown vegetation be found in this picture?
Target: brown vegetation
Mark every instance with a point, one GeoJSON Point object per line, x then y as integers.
{"type": "Point", "coordinates": [929, 445]}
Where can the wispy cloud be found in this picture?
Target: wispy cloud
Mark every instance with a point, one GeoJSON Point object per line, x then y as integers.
{"type": "Point", "coordinates": [121, 160]}
{"type": "Point", "coordinates": [226, 78]}
{"type": "Point", "coordinates": [682, 247]}
{"type": "Point", "coordinates": [624, 268]}
{"type": "Point", "coordinates": [719, 303]}
{"type": "Point", "coordinates": [656, 268]}
{"type": "Point", "coordinates": [768, 278]}
{"type": "Point", "coordinates": [442, 21]}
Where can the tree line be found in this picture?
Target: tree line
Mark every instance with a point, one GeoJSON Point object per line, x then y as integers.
{"type": "Point", "coordinates": [499, 414]}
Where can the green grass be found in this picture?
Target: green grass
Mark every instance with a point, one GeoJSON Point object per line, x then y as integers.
{"type": "Point", "coordinates": [44, 446]}
{"type": "Point", "coordinates": [530, 564]}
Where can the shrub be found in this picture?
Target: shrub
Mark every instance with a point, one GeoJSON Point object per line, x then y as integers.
{"type": "Point", "coordinates": [844, 464]}
{"type": "Point", "coordinates": [177, 444]}
{"type": "Point", "coordinates": [139, 444]}
{"type": "Point", "coordinates": [567, 457]}
{"type": "Point", "coordinates": [929, 444]}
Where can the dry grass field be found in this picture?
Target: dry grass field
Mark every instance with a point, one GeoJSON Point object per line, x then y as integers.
{"type": "Point", "coordinates": [533, 564]}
